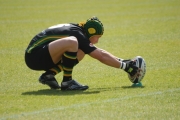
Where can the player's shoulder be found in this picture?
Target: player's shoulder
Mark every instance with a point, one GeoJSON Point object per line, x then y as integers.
{"type": "Point", "coordinates": [77, 30]}
{"type": "Point", "coordinates": [58, 26]}
{"type": "Point", "coordinates": [75, 27]}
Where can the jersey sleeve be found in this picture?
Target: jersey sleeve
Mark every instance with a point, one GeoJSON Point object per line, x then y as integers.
{"type": "Point", "coordinates": [84, 44]}
{"type": "Point", "coordinates": [87, 47]}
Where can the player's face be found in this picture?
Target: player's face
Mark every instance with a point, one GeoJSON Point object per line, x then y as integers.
{"type": "Point", "coordinates": [94, 39]}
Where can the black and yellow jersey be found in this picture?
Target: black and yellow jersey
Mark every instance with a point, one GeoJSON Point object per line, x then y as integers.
{"type": "Point", "coordinates": [60, 31]}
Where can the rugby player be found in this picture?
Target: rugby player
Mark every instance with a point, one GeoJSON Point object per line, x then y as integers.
{"type": "Point", "coordinates": [60, 47]}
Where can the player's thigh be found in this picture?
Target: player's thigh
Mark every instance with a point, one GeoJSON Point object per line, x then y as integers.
{"type": "Point", "coordinates": [58, 47]}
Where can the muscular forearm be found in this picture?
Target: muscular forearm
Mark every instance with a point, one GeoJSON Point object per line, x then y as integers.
{"type": "Point", "coordinates": [109, 59]}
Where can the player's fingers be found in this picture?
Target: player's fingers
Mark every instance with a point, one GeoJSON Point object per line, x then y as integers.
{"type": "Point", "coordinates": [139, 69]}
{"type": "Point", "coordinates": [138, 72]}
{"type": "Point", "coordinates": [138, 75]}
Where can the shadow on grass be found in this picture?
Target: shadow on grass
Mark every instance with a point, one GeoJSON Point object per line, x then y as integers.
{"type": "Point", "coordinates": [63, 93]}
{"type": "Point", "coordinates": [58, 92]}
{"type": "Point", "coordinates": [127, 87]}
{"type": "Point", "coordinates": [116, 88]}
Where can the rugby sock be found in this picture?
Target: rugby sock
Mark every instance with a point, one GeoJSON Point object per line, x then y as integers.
{"type": "Point", "coordinates": [57, 69]}
{"type": "Point", "coordinates": [69, 61]}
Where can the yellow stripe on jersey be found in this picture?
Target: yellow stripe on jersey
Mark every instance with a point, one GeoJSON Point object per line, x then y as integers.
{"type": "Point", "coordinates": [43, 40]}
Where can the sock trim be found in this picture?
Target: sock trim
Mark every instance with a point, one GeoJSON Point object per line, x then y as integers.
{"type": "Point", "coordinates": [69, 56]}
{"type": "Point", "coordinates": [54, 70]}
{"type": "Point", "coordinates": [60, 67]}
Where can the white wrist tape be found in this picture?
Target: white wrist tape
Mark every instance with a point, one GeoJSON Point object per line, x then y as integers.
{"type": "Point", "coordinates": [123, 65]}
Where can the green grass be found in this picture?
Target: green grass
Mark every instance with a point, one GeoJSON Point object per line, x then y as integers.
{"type": "Point", "coordinates": [149, 28]}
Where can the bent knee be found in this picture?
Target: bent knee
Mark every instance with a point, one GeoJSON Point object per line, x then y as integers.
{"type": "Point", "coordinates": [72, 40]}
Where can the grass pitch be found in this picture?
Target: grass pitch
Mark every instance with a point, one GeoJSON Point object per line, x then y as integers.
{"type": "Point", "coordinates": [149, 28]}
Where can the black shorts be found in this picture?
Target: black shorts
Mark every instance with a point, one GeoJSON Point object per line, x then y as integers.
{"type": "Point", "coordinates": [39, 59]}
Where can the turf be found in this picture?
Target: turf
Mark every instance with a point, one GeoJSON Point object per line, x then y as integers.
{"type": "Point", "coordinates": [149, 28]}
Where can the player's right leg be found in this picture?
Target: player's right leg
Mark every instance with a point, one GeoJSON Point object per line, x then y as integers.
{"type": "Point", "coordinates": [66, 50]}
{"type": "Point", "coordinates": [58, 47]}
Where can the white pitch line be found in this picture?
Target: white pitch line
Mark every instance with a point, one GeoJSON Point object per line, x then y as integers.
{"type": "Point", "coordinates": [87, 104]}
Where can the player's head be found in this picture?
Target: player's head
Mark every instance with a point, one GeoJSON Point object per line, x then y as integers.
{"type": "Point", "coordinates": [93, 26]}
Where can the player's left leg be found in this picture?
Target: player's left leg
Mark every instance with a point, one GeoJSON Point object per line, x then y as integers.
{"type": "Point", "coordinates": [72, 84]}
{"type": "Point", "coordinates": [69, 60]}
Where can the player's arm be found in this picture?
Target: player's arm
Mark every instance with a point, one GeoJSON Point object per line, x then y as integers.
{"type": "Point", "coordinates": [105, 57]}
{"type": "Point", "coordinates": [111, 60]}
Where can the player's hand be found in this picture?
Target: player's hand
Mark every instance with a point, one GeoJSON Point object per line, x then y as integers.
{"type": "Point", "coordinates": [137, 74]}
{"type": "Point", "coordinates": [131, 68]}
